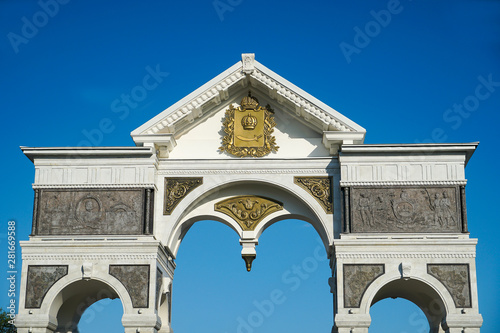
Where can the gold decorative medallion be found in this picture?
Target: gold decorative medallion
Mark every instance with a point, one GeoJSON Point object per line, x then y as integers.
{"type": "Point", "coordinates": [319, 188]}
{"type": "Point", "coordinates": [176, 189]}
{"type": "Point", "coordinates": [248, 210]}
{"type": "Point", "coordinates": [248, 129]}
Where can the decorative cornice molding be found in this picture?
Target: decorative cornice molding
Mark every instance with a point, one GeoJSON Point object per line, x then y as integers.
{"type": "Point", "coordinates": [403, 183]}
{"type": "Point", "coordinates": [216, 90]}
{"type": "Point", "coordinates": [96, 257]}
{"type": "Point", "coordinates": [166, 263]}
{"type": "Point", "coordinates": [248, 171]}
{"type": "Point", "coordinates": [80, 186]}
{"type": "Point", "coordinates": [304, 107]}
{"type": "Point", "coordinates": [404, 255]}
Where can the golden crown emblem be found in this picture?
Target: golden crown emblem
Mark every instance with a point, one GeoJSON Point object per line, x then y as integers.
{"type": "Point", "coordinates": [248, 129]}
{"type": "Point", "coordinates": [249, 122]}
{"type": "Point", "coordinates": [249, 102]}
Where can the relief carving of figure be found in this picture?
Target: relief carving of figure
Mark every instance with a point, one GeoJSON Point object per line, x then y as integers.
{"type": "Point", "coordinates": [366, 210]}
{"type": "Point", "coordinates": [88, 213]}
{"type": "Point", "coordinates": [446, 210]}
{"type": "Point", "coordinates": [442, 210]}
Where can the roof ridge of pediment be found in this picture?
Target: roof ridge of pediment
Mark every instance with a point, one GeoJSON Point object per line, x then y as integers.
{"type": "Point", "coordinates": [216, 90]}
{"type": "Point", "coordinates": [179, 117]}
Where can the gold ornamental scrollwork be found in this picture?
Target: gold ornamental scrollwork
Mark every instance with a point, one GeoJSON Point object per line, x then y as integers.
{"type": "Point", "coordinates": [176, 189]}
{"type": "Point", "coordinates": [248, 210]}
{"type": "Point", "coordinates": [319, 188]}
{"type": "Point", "coordinates": [248, 129]}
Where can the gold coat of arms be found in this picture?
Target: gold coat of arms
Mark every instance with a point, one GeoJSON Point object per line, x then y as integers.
{"type": "Point", "coordinates": [248, 129]}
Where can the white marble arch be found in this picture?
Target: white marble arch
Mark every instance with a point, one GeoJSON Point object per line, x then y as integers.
{"type": "Point", "coordinates": [66, 301]}
{"type": "Point", "coordinates": [183, 142]}
{"type": "Point", "coordinates": [423, 291]}
{"type": "Point", "coordinates": [198, 206]}
{"type": "Point", "coordinates": [68, 310]}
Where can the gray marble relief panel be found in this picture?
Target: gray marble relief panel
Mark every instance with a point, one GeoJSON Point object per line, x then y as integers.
{"type": "Point", "coordinates": [357, 278]}
{"type": "Point", "coordinates": [40, 280]}
{"type": "Point", "coordinates": [91, 212]}
{"type": "Point", "coordinates": [455, 278]}
{"type": "Point", "coordinates": [135, 278]}
{"type": "Point", "coordinates": [405, 209]}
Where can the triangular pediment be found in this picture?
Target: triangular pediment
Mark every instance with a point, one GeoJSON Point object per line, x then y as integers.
{"type": "Point", "coordinates": [301, 119]}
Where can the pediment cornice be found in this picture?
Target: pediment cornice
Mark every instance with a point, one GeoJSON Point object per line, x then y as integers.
{"type": "Point", "coordinates": [182, 116]}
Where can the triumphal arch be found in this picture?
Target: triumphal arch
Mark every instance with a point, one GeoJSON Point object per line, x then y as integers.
{"type": "Point", "coordinates": [248, 149]}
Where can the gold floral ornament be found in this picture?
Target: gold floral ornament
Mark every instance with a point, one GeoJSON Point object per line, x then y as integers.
{"type": "Point", "coordinates": [247, 210]}
{"type": "Point", "coordinates": [319, 188]}
{"type": "Point", "coordinates": [248, 129]}
{"type": "Point", "coordinates": [176, 189]}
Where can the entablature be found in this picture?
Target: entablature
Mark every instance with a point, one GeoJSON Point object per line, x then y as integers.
{"type": "Point", "coordinates": [404, 164]}
{"type": "Point", "coordinates": [92, 167]}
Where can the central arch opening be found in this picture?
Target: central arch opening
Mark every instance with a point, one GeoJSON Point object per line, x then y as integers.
{"type": "Point", "coordinates": [286, 290]}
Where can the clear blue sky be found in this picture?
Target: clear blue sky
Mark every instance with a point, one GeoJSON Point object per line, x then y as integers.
{"type": "Point", "coordinates": [404, 81]}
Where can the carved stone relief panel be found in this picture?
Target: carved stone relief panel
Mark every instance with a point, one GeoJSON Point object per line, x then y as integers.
{"type": "Point", "coordinates": [40, 280]}
{"type": "Point", "coordinates": [405, 209]}
{"type": "Point", "coordinates": [455, 278]}
{"type": "Point", "coordinates": [248, 210]}
{"type": "Point", "coordinates": [357, 278]}
{"type": "Point", "coordinates": [91, 212]}
{"type": "Point", "coordinates": [176, 189]}
{"type": "Point", "coordinates": [135, 278]}
{"type": "Point", "coordinates": [319, 188]}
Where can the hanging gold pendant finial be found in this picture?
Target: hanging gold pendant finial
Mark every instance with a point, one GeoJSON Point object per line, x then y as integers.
{"type": "Point", "coordinates": [248, 260]}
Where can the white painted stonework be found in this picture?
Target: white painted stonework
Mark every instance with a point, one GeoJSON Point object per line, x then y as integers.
{"type": "Point", "coordinates": [183, 142]}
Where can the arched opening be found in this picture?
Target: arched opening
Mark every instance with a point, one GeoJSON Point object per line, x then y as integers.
{"type": "Point", "coordinates": [286, 290]}
{"type": "Point", "coordinates": [202, 208]}
{"type": "Point", "coordinates": [102, 316]}
{"type": "Point", "coordinates": [89, 300]}
{"type": "Point", "coordinates": [421, 295]}
{"type": "Point", "coordinates": [397, 315]}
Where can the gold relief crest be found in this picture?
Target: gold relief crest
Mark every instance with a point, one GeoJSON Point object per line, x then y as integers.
{"type": "Point", "coordinates": [248, 129]}
{"type": "Point", "coordinates": [248, 210]}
